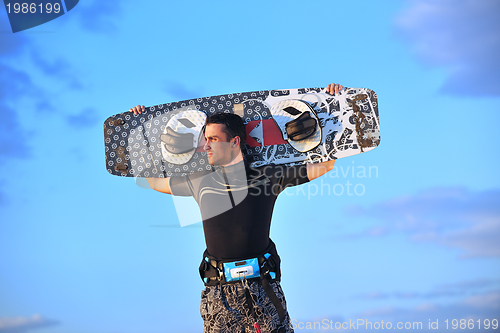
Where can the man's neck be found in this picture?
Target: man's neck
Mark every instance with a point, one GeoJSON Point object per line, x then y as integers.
{"type": "Point", "coordinates": [235, 160]}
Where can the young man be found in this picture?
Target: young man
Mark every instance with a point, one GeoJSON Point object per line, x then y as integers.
{"type": "Point", "coordinates": [240, 267]}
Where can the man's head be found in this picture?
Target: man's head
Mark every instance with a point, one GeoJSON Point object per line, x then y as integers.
{"type": "Point", "coordinates": [225, 135]}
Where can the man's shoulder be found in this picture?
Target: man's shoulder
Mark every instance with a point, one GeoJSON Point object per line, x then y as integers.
{"type": "Point", "coordinates": [193, 177]}
{"type": "Point", "coordinates": [279, 170]}
{"type": "Point", "coordinates": [277, 167]}
{"type": "Point", "coordinates": [202, 173]}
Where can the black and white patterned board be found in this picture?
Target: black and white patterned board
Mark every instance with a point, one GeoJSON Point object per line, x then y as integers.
{"type": "Point", "coordinates": [349, 121]}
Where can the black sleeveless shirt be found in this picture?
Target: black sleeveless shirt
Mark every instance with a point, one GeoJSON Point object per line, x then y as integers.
{"type": "Point", "coordinates": [237, 203]}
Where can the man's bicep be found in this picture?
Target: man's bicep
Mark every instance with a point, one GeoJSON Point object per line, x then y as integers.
{"type": "Point", "coordinates": [291, 176]}
{"type": "Point", "coordinates": [179, 186]}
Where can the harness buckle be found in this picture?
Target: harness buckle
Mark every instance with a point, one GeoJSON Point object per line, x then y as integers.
{"type": "Point", "coordinates": [249, 268]}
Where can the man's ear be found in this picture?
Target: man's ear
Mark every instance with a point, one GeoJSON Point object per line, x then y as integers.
{"type": "Point", "coordinates": [236, 141]}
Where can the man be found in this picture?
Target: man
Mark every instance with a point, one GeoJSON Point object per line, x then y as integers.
{"type": "Point", "coordinates": [240, 267]}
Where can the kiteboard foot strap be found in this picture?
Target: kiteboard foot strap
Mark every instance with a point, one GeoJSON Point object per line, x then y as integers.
{"type": "Point", "coordinates": [302, 127]}
{"type": "Point", "coordinates": [177, 143]}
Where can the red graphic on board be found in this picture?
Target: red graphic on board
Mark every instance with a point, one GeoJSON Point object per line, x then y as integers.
{"type": "Point", "coordinates": [272, 134]}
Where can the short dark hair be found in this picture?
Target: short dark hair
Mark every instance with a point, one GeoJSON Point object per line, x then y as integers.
{"type": "Point", "coordinates": [234, 125]}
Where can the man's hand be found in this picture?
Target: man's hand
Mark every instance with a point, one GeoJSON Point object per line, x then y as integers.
{"type": "Point", "coordinates": [137, 109]}
{"type": "Point", "coordinates": [333, 89]}
{"type": "Point", "coordinates": [316, 170]}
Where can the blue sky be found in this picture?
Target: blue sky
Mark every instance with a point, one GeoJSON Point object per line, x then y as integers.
{"type": "Point", "coordinates": [408, 232]}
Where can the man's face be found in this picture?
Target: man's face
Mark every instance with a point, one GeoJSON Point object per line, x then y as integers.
{"type": "Point", "coordinates": [218, 145]}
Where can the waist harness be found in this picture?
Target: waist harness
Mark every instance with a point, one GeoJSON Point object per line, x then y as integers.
{"type": "Point", "coordinates": [215, 271]}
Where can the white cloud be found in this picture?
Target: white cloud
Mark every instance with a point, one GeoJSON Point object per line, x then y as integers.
{"type": "Point", "coordinates": [491, 300]}
{"type": "Point", "coordinates": [21, 324]}
{"type": "Point", "coordinates": [477, 307]}
{"type": "Point", "coordinates": [460, 35]}
{"type": "Point", "coordinates": [477, 291]}
{"type": "Point", "coordinates": [474, 310]}
{"type": "Point", "coordinates": [478, 240]}
{"type": "Point", "coordinates": [386, 311]}
{"type": "Point", "coordinates": [451, 217]}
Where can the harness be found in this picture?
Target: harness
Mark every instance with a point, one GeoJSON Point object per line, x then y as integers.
{"type": "Point", "coordinates": [214, 271]}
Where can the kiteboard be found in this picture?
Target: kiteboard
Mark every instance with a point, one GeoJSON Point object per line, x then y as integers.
{"type": "Point", "coordinates": [289, 127]}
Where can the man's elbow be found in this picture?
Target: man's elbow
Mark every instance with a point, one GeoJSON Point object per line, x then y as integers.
{"type": "Point", "coordinates": [160, 185]}
{"type": "Point", "coordinates": [317, 170]}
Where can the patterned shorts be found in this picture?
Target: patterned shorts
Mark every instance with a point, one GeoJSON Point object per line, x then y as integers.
{"type": "Point", "coordinates": [224, 309]}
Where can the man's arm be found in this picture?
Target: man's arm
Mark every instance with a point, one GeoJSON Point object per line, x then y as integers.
{"type": "Point", "coordinates": [319, 169]}
{"type": "Point", "coordinates": [158, 184]}
{"type": "Point", "coordinates": [316, 170]}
